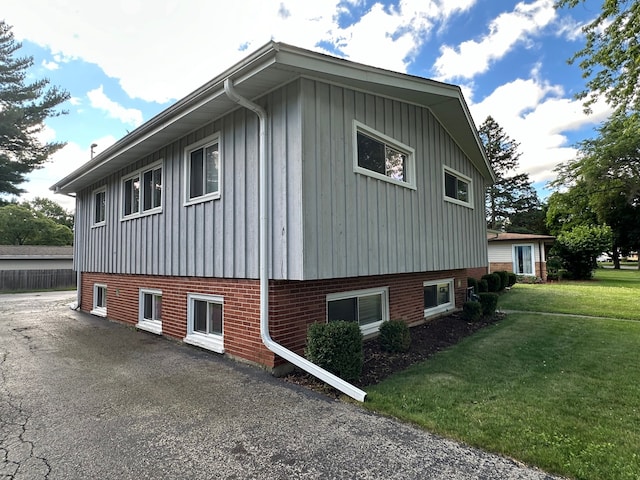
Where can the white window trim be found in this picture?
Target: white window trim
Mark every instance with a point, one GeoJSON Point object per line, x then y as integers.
{"type": "Point", "coordinates": [93, 207]}
{"type": "Point", "coordinates": [376, 135]}
{"type": "Point", "coordinates": [139, 173]}
{"type": "Point", "coordinates": [208, 341]}
{"type": "Point", "coordinates": [445, 307]}
{"type": "Point", "coordinates": [205, 142]}
{"type": "Point", "coordinates": [461, 176]}
{"type": "Point", "coordinates": [99, 311]}
{"type": "Point", "coordinates": [533, 259]}
{"type": "Point", "coordinates": [371, 327]}
{"type": "Point", "coordinates": [153, 326]}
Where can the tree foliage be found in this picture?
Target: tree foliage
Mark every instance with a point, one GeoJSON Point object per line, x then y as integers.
{"type": "Point", "coordinates": [579, 247]}
{"type": "Point", "coordinates": [25, 224]}
{"type": "Point", "coordinates": [24, 107]}
{"type": "Point", "coordinates": [609, 59]}
{"type": "Point", "coordinates": [512, 193]}
{"type": "Point", "coordinates": [604, 184]}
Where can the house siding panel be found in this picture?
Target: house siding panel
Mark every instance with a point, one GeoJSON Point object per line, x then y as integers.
{"type": "Point", "coordinates": [216, 238]}
{"type": "Point", "coordinates": [387, 228]}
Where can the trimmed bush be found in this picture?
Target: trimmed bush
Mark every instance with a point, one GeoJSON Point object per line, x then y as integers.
{"type": "Point", "coordinates": [472, 311]}
{"type": "Point", "coordinates": [493, 281]}
{"type": "Point", "coordinates": [472, 282]}
{"type": "Point", "coordinates": [504, 279]}
{"type": "Point", "coordinates": [489, 302]}
{"type": "Point", "coordinates": [513, 278]}
{"type": "Point", "coordinates": [394, 336]}
{"type": "Point", "coordinates": [483, 285]}
{"type": "Point", "coordinates": [336, 347]}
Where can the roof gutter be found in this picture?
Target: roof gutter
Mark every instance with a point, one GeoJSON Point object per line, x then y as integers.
{"type": "Point", "coordinates": [275, 347]}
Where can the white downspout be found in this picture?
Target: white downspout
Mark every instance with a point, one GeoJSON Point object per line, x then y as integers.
{"type": "Point", "coordinates": [276, 348]}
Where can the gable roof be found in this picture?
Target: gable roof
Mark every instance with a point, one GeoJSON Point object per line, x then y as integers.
{"type": "Point", "coordinates": [268, 68]}
{"type": "Point", "coordinates": [514, 237]}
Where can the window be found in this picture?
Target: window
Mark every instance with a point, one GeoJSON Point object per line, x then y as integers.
{"type": "Point", "coordinates": [523, 260]}
{"type": "Point", "coordinates": [457, 188]}
{"type": "Point", "coordinates": [367, 307]}
{"type": "Point", "coordinates": [142, 192]}
{"type": "Point", "coordinates": [439, 296]}
{"type": "Point", "coordinates": [99, 300]}
{"type": "Point", "coordinates": [205, 322]}
{"type": "Point", "coordinates": [150, 311]}
{"type": "Point", "coordinates": [202, 165]}
{"type": "Point", "coordinates": [99, 207]}
{"type": "Point", "coordinates": [381, 157]}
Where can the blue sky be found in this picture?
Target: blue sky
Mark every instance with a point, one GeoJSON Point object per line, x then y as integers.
{"type": "Point", "coordinates": [125, 61]}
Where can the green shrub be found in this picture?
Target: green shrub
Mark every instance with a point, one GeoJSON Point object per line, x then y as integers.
{"type": "Point", "coordinates": [489, 302]}
{"type": "Point", "coordinates": [394, 336]}
{"type": "Point", "coordinates": [483, 285]}
{"type": "Point", "coordinates": [472, 311]}
{"type": "Point", "coordinates": [513, 278]}
{"type": "Point", "coordinates": [504, 279]}
{"type": "Point", "coordinates": [336, 347]}
{"type": "Point", "coordinates": [493, 281]}
{"type": "Point", "coordinates": [472, 282]}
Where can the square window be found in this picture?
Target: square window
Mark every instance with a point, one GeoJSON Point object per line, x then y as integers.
{"type": "Point", "coordinates": [205, 322]}
{"type": "Point", "coordinates": [99, 300]}
{"type": "Point", "coordinates": [457, 187]}
{"type": "Point", "coordinates": [369, 308]}
{"type": "Point", "coordinates": [379, 156]}
{"type": "Point", "coordinates": [150, 311]}
{"type": "Point", "coordinates": [438, 296]}
{"type": "Point", "coordinates": [203, 170]}
{"type": "Point", "coordinates": [99, 207]}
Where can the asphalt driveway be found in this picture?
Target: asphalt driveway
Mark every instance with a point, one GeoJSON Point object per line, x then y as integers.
{"type": "Point", "coordinates": [82, 397]}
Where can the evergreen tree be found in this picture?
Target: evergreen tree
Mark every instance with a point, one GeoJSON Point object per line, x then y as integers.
{"type": "Point", "coordinates": [23, 109]}
{"type": "Point", "coordinates": [512, 193]}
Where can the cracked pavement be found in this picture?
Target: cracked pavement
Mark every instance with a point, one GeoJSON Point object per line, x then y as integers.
{"type": "Point", "coordinates": [82, 397]}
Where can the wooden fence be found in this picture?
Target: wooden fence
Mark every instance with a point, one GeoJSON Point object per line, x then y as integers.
{"type": "Point", "coordinates": [11, 280]}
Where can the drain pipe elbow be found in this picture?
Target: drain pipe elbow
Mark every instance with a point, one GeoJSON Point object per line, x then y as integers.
{"type": "Point", "coordinates": [272, 345]}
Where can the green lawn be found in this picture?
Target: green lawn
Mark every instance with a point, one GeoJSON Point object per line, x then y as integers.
{"type": "Point", "coordinates": [612, 293]}
{"type": "Point", "coordinates": [562, 393]}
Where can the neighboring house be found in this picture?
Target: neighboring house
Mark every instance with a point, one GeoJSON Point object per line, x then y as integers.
{"type": "Point", "coordinates": [31, 267]}
{"type": "Point", "coordinates": [520, 253]}
{"type": "Point", "coordinates": [331, 189]}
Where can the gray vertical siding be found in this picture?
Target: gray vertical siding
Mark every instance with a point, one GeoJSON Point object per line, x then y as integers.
{"type": "Point", "coordinates": [325, 220]}
{"type": "Point", "coordinates": [216, 238]}
{"type": "Point", "coordinates": [356, 225]}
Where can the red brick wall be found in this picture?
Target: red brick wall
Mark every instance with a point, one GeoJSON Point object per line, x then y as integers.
{"type": "Point", "coordinates": [478, 272]}
{"type": "Point", "coordinates": [293, 305]}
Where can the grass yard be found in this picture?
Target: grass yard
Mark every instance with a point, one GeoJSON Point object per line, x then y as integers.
{"type": "Point", "coordinates": [561, 393]}
{"type": "Point", "coordinates": [612, 293]}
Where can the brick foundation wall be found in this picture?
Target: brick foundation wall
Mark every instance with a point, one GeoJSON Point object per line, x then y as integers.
{"type": "Point", "coordinates": [293, 305]}
{"type": "Point", "coordinates": [477, 272]}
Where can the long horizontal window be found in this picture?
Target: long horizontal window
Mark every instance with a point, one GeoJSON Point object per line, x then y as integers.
{"type": "Point", "coordinates": [382, 157]}
{"type": "Point", "coordinates": [369, 308]}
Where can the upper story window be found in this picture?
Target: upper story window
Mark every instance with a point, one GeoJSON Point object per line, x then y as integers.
{"type": "Point", "coordinates": [99, 207]}
{"type": "Point", "coordinates": [142, 192]}
{"type": "Point", "coordinates": [369, 308]}
{"type": "Point", "coordinates": [202, 165]}
{"type": "Point", "coordinates": [382, 157]}
{"type": "Point", "coordinates": [457, 188]}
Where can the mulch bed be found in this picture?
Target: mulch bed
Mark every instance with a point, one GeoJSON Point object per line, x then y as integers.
{"type": "Point", "coordinates": [426, 340]}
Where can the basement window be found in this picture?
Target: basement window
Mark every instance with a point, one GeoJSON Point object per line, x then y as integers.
{"type": "Point", "coordinates": [99, 300]}
{"type": "Point", "coordinates": [439, 296]}
{"type": "Point", "coordinates": [150, 311]}
{"type": "Point", "coordinates": [205, 322]}
{"type": "Point", "coordinates": [369, 308]}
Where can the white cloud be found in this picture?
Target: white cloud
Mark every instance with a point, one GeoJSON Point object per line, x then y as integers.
{"type": "Point", "coordinates": [62, 163]}
{"type": "Point", "coordinates": [50, 65]}
{"type": "Point", "coordinates": [507, 30]}
{"type": "Point", "coordinates": [99, 100]}
{"type": "Point", "coordinates": [537, 115]}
